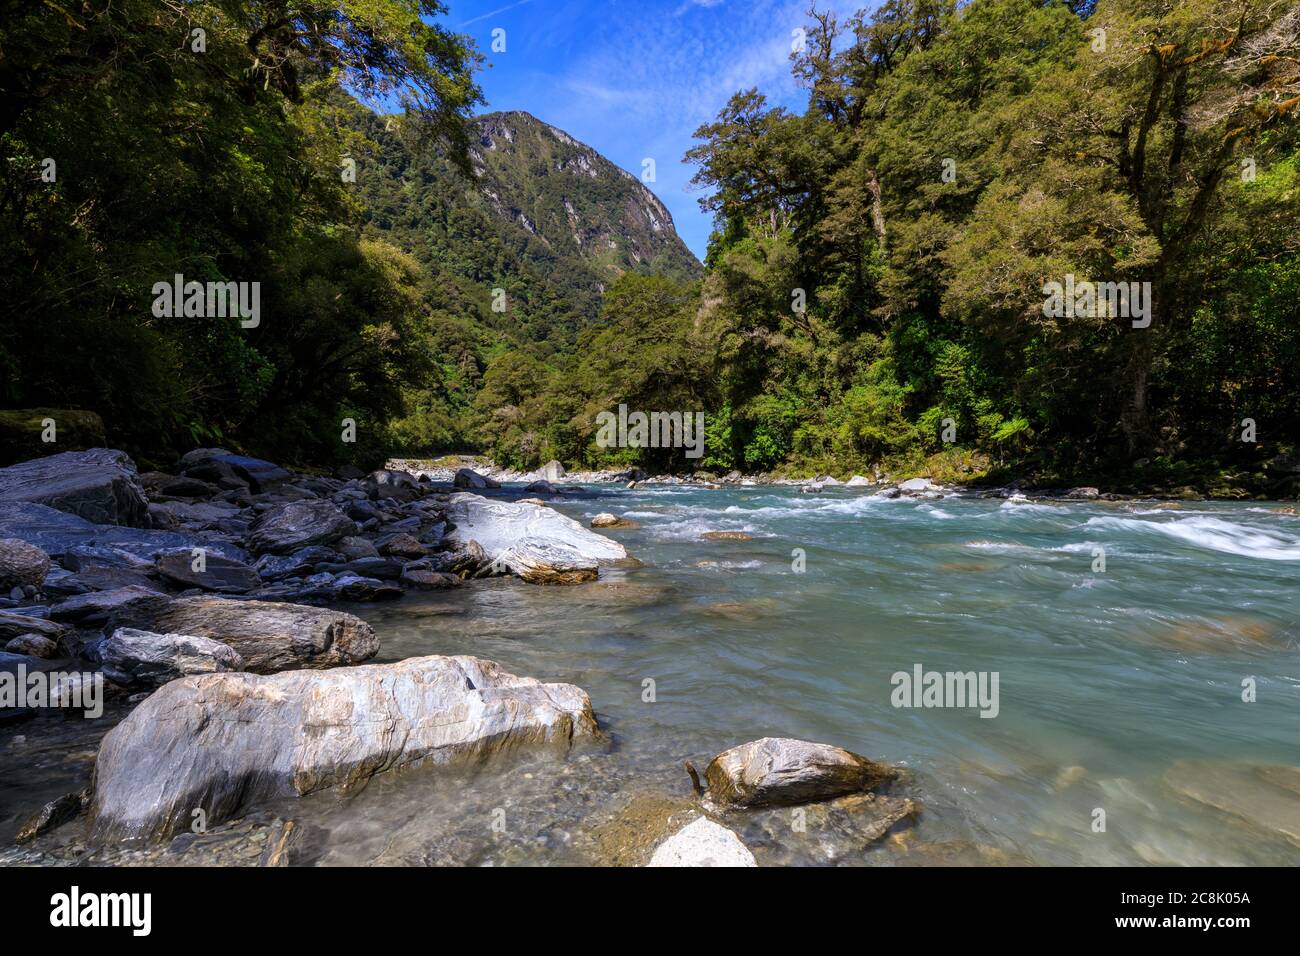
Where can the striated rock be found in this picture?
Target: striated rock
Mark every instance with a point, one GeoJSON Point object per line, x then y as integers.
{"type": "Point", "coordinates": [422, 579]}
{"type": "Point", "coordinates": [727, 536]}
{"type": "Point", "coordinates": [468, 478]}
{"type": "Point", "coordinates": [607, 520]}
{"type": "Point", "coordinates": [1266, 797]}
{"type": "Point", "coordinates": [702, 843]}
{"type": "Point", "coordinates": [271, 567]}
{"type": "Point", "coordinates": [269, 636]}
{"type": "Point", "coordinates": [402, 545]}
{"type": "Point", "coordinates": [354, 587]}
{"type": "Point", "coordinates": [99, 485]}
{"type": "Point", "coordinates": [538, 544]}
{"type": "Point", "coordinates": [1086, 494]}
{"type": "Point", "coordinates": [212, 464]}
{"type": "Point", "coordinates": [135, 658]}
{"type": "Point", "coordinates": [220, 574]}
{"type": "Point", "coordinates": [13, 625]}
{"type": "Point", "coordinates": [120, 605]}
{"type": "Point", "coordinates": [33, 645]}
{"type": "Point", "coordinates": [354, 547]}
{"type": "Point", "coordinates": [21, 564]}
{"type": "Point", "coordinates": [780, 771]}
{"type": "Point", "coordinates": [225, 742]}
{"type": "Point", "coordinates": [299, 524]}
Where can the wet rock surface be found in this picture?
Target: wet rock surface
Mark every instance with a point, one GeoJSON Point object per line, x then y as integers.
{"type": "Point", "coordinates": [780, 771]}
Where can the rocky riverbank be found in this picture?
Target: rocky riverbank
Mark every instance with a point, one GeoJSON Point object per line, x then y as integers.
{"type": "Point", "coordinates": [198, 602]}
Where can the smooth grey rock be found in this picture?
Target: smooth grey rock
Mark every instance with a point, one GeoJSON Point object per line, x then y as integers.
{"type": "Point", "coordinates": [135, 658]}
{"type": "Point", "coordinates": [225, 742]}
{"type": "Point", "coordinates": [219, 574]}
{"type": "Point", "coordinates": [21, 564]}
{"type": "Point", "coordinates": [299, 524]}
{"type": "Point", "coordinates": [702, 843]}
{"type": "Point", "coordinates": [915, 485]}
{"type": "Point", "coordinates": [534, 542]}
{"type": "Point", "coordinates": [781, 771]}
{"type": "Point", "coordinates": [540, 487]}
{"type": "Point", "coordinates": [857, 481]}
{"type": "Point", "coordinates": [551, 471]}
{"type": "Point", "coordinates": [100, 485]}
{"type": "Point", "coordinates": [269, 636]}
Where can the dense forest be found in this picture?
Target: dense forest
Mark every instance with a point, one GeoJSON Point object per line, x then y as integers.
{"type": "Point", "coordinates": [873, 295]}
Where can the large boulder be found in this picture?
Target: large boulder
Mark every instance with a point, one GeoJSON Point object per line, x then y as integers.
{"type": "Point", "coordinates": [299, 524]}
{"type": "Point", "coordinates": [212, 464]}
{"type": "Point", "coordinates": [217, 573]}
{"type": "Point", "coordinates": [58, 533]}
{"type": "Point", "coordinates": [551, 471]}
{"type": "Point", "coordinates": [100, 485]}
{"type": "Point", "coordinates": [135, 658]}
{"type": "Point", "coordinates": [21, 564]}
{"type": "Point", "coordinates": [270, 636]}
{"type": "Point", "coordinates": [702, 843]}
{"type": "Point", "coordinates": [468, 478]}
{"type": "Point", "coordinates": [224, 742]}
{"type": "Point", "coordinates": [128, 605]}
{"type": "Point", "coordinates": [779, 771]}
{"type": "Point", "coordinates": [18, 625]}
{"type": "Point", "coordinates": [537, 543]}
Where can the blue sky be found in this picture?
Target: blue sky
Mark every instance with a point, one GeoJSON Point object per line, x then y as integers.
{"type": "Point", "coordinates": [635, 79]}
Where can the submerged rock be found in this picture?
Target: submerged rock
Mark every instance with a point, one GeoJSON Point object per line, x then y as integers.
{"type": "Point", "coordinates": [99, 485]}
{"type": "Point", "coordinates": [536, 543]}
{"type": "Point", "coordinates": [780, 771]}
{"type": "Point", "coordinates": [727, 536]}
{"type": "Point", "coordinates": [703, 843]}
{"type": "Point", "coordinates": [607, 520]}
{"type": "Point", "coordinates": [53, 815]}
{"type": "Point", "coordinates": [135, 658]}
{"type": "Point", "coordinates": [224, 742]}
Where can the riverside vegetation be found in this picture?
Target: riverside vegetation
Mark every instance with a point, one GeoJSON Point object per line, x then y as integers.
{"type": "Point", "coordinates": [949, 165]}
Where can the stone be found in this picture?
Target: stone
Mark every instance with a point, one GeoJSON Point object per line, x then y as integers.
{"type": "Point", "coordinates": [353, 547]}
{"type": "Point", "coordinates": [136, 658]}
{"type": "Point", "coordinates": [540, 487]}
{"type": "Point", "coordinates": [727, 536]}
{"type": "Point", "coordinates": [120, 605]}
{"type": "Point", "coordinates": [299, 524]}
{"type": "Point", "coordinates": [468, 478]}
{"type": "Point", "coordinates": [162, 485]}
{"type": "Point", "coordinates": [915, 485]}
{"type": "Point", "coordinates": [226, 742]}
{"type": "Point", "coordinates": [270, 636]}
{"type": "Point", "coordinates": [100, 485]}
{"type": "Point", "coordinates": [13, 625]}
{"type": "Point", "coordinates": [402, 545]}
{"type": "Point", "coordinates": [551, 471]}
{"type": "Point", "coordinates": [52, 816]}
{"type": "Point", "coordinates": [702, 843]}
{"type": "Point", "coordinates": [536, 543]}
{"type": "Point", "coordinates": [888, 493]}
{"type": "Point", "coordinates": [354, 587]}
{"type": "Point", "coordinates": [423, 579]}
{"type": "Point", "coordinates": [220, 574]}
{"type": "Point", "coordinates": [21, 564]}
{"type": "Point", "coordinates": [33, 645]}
{"type": "Point", "coordinates": [607, 520]}
{"type": "Point", "coordinates": [857, 481]}
{"type": "Point", "coordinates": [1087, 494]}
{"type": "Point", "coordinates": [780, 771]}
{"type": "Point", "coordinates": [300, 564]}
{"type": "Point", "coordinates": [259, 474]}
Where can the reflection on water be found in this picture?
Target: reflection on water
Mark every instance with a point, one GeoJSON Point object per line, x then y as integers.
{"type": "Point", "coordinates": [1119, 690]}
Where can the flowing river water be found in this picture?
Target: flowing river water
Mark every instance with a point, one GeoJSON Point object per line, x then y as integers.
{"type": "Point", "coordinates": [1120, 691]}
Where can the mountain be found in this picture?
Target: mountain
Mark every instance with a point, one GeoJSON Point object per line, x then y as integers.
{"type": "Point", "coordinates": [544, 217]}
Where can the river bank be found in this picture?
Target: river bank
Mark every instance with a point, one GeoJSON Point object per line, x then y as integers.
{"type": "Point", "coordinates": [1120, 688]}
